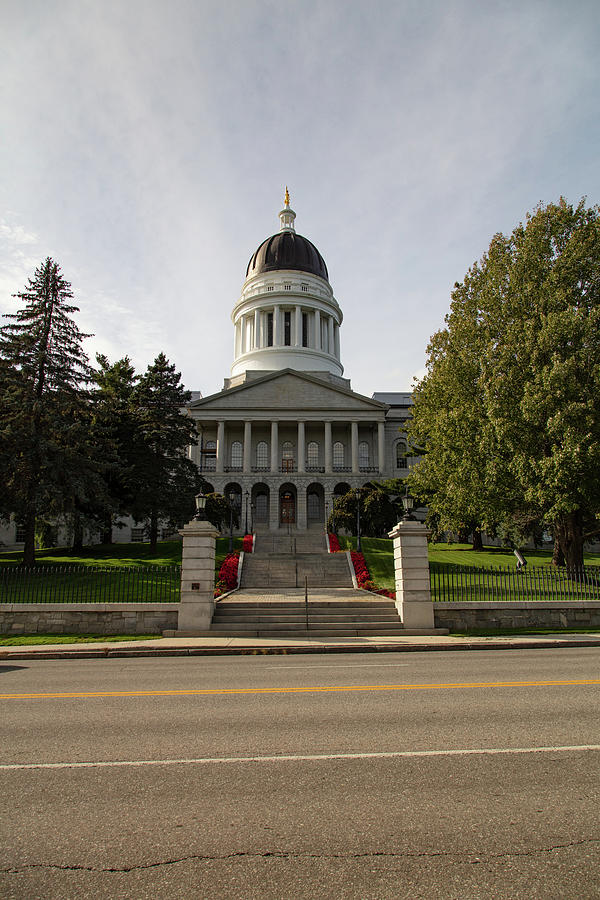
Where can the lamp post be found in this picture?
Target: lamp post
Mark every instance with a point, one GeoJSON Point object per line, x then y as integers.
{"type": "Point", "coordinates": [246, 495]}
{"type": "Point", "coordinates": [252, 517]}
{"type": "Point", "coordinates": [200, 507]}
{"type": "Point", "coordinates": [357, 495]}
{"type": "Point", "coordinates": [408, 504]}
{"type": "Point", "coordinates": [231, 503]}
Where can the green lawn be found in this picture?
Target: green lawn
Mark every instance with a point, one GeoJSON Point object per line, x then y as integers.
{"type": "Point", "coordinates": [27, 640]}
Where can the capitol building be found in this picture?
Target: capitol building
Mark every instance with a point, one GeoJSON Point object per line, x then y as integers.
{"type": "Point", "coordinates": [287, 434]}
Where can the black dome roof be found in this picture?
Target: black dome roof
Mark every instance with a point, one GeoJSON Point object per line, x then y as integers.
{"type": "Point", "coordinates": [287, 250]}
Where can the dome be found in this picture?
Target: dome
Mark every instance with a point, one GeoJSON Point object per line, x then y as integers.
{"type": "Point", "coordinates": [287, 250]}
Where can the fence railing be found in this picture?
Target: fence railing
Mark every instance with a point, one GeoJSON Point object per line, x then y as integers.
{"type": "Point", "coordinates": [90, 584]}
{"type": "Point", "coordinates": [452, 584]}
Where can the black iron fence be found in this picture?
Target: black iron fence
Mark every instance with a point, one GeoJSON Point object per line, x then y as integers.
{"type": "Point", "coordinates": [451, 583]}
{"type": "Point", "coordinates": [90, 584]}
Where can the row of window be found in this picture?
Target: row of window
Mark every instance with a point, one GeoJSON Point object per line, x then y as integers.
{"type": "Point", "coordinates": [287, 454]}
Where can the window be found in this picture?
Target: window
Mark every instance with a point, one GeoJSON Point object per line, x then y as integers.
{"type": "Point", "coordinates": [236, 455]}
{"type": "Point", "coordinates": [262, 455]}
{"type": "Point", "coordinates": [20, 535]}
{"type": "Point", "coordinates": [261, 508]}
{"type": "Point", "coordinates": [313, 506]}
{"type": "Point", "coordinates": [363, 455]}
{"type": "Point", "coordinates": [287, 328]}
{"type": "Point", "coordinates": [138, 535]}
{"type": "Point", "coordinates": [287, 457]}
{"type": "Point", "coordinates": [338, 455]}
{"type": "Point", "coordinates": [305, 288]}
{"type": "Point", "coordinates": [401, 461]}
{"type": "Point", "coordinates": [209, 455]}
{"type": "Point", "coordinates": [305, 329]}
{"type": "Point", "coordinates": [312, 455]}
{"type": "Point", "coordinates": [269, 329]}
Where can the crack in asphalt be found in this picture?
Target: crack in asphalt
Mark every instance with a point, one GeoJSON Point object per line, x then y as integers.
{"type": "Point", "coordinates": [283, 854]}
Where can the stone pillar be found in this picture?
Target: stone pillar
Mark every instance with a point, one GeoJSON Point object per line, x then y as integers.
{"type": "Point", "coordinates": [247, 447]}
{"type": "Point", "coordinates": [411, 565]}
{"type": "Point", "coordinates": [336, 340]}
{"type": "Point", "coordinates": [330, 347]}
{"type": "Point", "coordinates": [274, 448]}
{"type": "Point", "coordinates": [301, 447]}
{"type": "Point", "coordinates": [328, 445]}
{"type": "Point", "coordinates": [317, 330]}
{"type": "Point", "coordinates": [197, 576]}
{"type": "Point", "coordinates": [354, 442]}
{"type": "Point", "coordinates": [257, 329]}
{"type": "Point", "coordinates": [381, 447]}
{"type": "Point", "coordinates": [298, 328]}
{"type": "Point", "coordinates": [220, 462]}
{"type": "Point", "coordinates": [276, 326]}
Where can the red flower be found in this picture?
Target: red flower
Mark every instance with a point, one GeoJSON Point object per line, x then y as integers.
{"type": "Point", "coordinates": [334, 544]}
{"type": "Point", "coordinates": [248, 543]}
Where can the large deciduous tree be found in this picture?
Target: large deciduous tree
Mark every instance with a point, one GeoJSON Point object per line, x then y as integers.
{"type": "Point", "coordinates": [508, 411]}
{"type": "Point", "coordinates": [44, 423]}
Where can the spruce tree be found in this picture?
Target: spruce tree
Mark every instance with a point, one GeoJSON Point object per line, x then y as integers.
{"type": "Point", "coordinates": [43, 370]}
{"type": "Point", "coordinates": [167, 480]}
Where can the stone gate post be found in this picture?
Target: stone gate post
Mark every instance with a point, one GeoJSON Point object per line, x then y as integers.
{"type": "Point", "coordinates": [411, 567]}
{"type": "Point", "coordinates": [197, 576]}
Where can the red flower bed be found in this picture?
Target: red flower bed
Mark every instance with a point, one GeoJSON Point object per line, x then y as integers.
{"type": "Point", "coordinates": [364, 579]}
{"type": "Point", "coordinates": [227, 577]}
{"type": "Point", "coordinates": [248, 543]}
{"type": "Point", "coordinates": [334, 544]}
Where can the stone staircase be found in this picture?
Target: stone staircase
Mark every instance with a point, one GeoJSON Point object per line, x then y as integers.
{"type": "Point", "coordinates": [339, 612]}
{"type": "Point", "coordinates": [292, 561]}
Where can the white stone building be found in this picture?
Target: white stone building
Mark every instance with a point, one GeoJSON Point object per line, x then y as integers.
{"type": "Point", "coordinates": [287, 433]}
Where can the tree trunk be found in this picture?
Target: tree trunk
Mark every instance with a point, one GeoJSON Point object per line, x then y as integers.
{"type": "Point", "coordinates": [77, 532]}
{"type": "Point", "coordinates": [477, 541]}
{"type": "Point", "coordinates": [558, 557]}
{"type": "Point", "coordinates": [29, 548]}
{"type": "Point", "coordinates": [107, 531]}
{"type": "Point", "coordinates": [153, 531]}
{"type": "Point", "coordinates": [569, 532]}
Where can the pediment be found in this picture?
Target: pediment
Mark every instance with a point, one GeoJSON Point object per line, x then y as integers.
{"type": "Point", "coordinates": [291, 392]}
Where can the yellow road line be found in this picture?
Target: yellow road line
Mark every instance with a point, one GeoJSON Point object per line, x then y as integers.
{"type": "Point", "coordinates": [327, 689]}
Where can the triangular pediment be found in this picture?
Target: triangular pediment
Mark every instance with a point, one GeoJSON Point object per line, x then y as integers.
{"type": "Point", "coordinates": [288, 391]}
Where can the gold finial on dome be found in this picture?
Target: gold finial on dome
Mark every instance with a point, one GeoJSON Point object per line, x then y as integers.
{"type": "Point", "coordinates": [287, 215]}
{"type": "Point", "coordinates": [287, 196]}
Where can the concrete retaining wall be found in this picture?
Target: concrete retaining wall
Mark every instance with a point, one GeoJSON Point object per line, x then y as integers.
{"type": "Point", "coordinates": [467, 616]}
{"type": "Point", "coordinates": [88, 618]}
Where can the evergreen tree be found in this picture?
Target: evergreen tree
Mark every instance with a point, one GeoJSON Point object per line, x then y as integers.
{"type": "Point", "coordinates": [166, 480]}
{"type": "Point", "coordinates": [43, 373]}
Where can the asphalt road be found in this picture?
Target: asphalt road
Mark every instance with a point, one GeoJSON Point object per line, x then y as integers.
{"type": "Point", "coordinates": [455, 775]}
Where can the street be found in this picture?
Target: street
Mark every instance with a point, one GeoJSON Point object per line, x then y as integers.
{"type": "Point", "coordinates": [422, 775]}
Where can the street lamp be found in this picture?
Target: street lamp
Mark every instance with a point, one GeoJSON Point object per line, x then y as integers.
{"type": "Point", "coordinates": [200, 507]}
{"type": "Point", "coordinates": [408, 504]}
{"type": "Point", "coordinates": [357, 494]}
{"type": "Point", "coordinates": [252, 517]}
{"type": "Point", "coordinates": [231, 505]}
{"type": "Point", "coordinates": [246, 495]}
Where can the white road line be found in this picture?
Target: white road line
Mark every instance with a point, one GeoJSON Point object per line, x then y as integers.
{"type": "Point", "coordinates": [400, 754]}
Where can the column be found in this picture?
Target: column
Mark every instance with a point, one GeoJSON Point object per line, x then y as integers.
{"type": "Point", "coordinates": [237, 340]}
{"type": "Point", "coordinates": [354, 441]}
{"type": "Point", "coordinates": [328, 447]}
{"type": "Point", "coordinates": [276, 326]}
{"type": "Point", "coordinates": [317, 330]}
{"type": "Point", "coordinates": [197, 577]}
{"type": "Point", "coordinates": [247, 447]}
{"type": "Point", "coordinates": [274, 448]}
{"type": "Point", "coordinates": [381, 447]}
{"type": "Point", "coordinates": [298, 329]}
{"type": "Point", "coordinates": [411, 568]}
{"type": "Point", "coordinates": [257, 343]}
{"type": "Point", "coordinates": [301, 447]}
{"type": "Point", "coordinates": [336, 340]}
{"type": "Point", "coordinates": [220, 447]}
{"type": "Point", "coordinates": [330, 334]}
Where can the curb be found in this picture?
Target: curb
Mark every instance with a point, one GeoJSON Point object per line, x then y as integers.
{"type": "Point", "coordinates": [132, 652]}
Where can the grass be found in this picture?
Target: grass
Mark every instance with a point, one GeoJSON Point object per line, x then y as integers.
{"type": "Point", "coordinates": [28, 640]}
{"type": "Point", "coordinates": [508, 632]}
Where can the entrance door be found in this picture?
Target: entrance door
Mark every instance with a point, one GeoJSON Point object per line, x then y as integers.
{"type": "Point", "coordinates": [288, 508]}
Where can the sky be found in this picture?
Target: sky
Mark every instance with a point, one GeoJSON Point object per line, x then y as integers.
{"type": "Point", "coordinates": [145, 146]}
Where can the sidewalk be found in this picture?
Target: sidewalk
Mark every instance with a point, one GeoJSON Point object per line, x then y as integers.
{"type": "Point", "coordinates": [223, 646]}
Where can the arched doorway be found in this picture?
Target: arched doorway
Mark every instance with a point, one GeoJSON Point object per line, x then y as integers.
{"type": "Point", "coordinates": [287, 504]}
{"type": "Point", "coordinates": [315, 503]}
{"type": "Point", "coordinates": [260, 504]}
